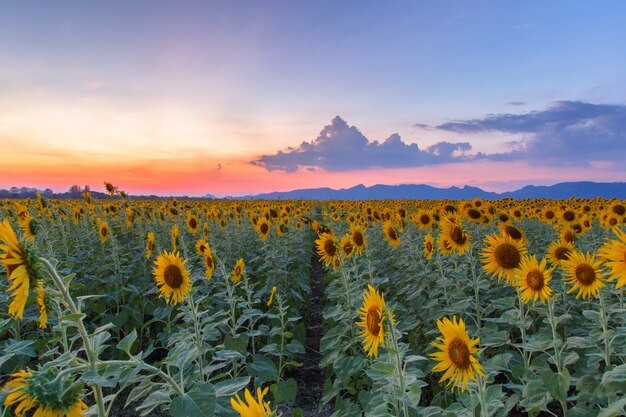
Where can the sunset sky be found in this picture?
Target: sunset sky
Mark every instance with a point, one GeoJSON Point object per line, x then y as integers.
{"type": "Point", "coordinates": [234, 97]}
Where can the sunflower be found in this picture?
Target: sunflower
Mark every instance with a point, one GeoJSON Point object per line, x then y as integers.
{"type": "Point", "coordinates": [533, 280]}
{"type": "Point", "coordinates": [559, 251]}
{"type": "Point", "coordinates": [502, 256]}
{"type": "Point", "coordinates": [263, 228]}
{"type": "Point", "coordinates": [175, 234]}
{"type": "Point", "coordinates": [513, 232]}
{"type": "Point", "coordinates": [193, 225]}
{"type": "Point", "coordinates": [201, 247]}
{"type": "Point", "coordinates": [29, 226]}
{"type": "Point", "coordinates": [614, 253]}
{"type": "Point", "coordinates": [172, 277]}
{"type": "Point", "coordinates": [456, 236]}
{"type": "Point", "coordinates": [372, 321]}
{"type": "Point", "coordinates": [27, 391]}
{"type": "Point", "coordinates": [149, 244]}
{"type": "Point", "coordinates": [357, 234]}
{"type": "Point", "coordinates": [209, 263]}
{"type": "Point", "coordinates": [347, 246]}
{"type": "Point", "coordinates": [618, 208]}
{"type": "Point", "coordinates": [103, 230]}
{"type": "Point", "coordinates": [205, 231]}
{"type": "Point", "coordinates": [327, 249]}
{"type": "Point", "coordinates": [110, 188]}
{"type": "Point", "coordinates": [19, 265]}
{"type": "Point", "coordinates": [456, 357]}
{"type": "Point", "coordinates": [43, 305]}
{"type": "Point", "coordinates": [429, 246]}
{"type": "Point", "coordinates": [391, 234]}
{"type": "Point", "coordinates": [253, 408]}
{"type": "Point", "coordinates": [549, 214]}
{"type": "Point", "coordinates": [445, 247]}
{"type": "Point", "coordinates": [582, 271]}
{"type": "Point", "coordinates": [238, 271]}
{"type": "Point", "coordinates": [271, 299]}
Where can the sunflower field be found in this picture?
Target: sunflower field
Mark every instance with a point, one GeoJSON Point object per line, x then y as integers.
{"type": "Point", "coordinates": [124, 307]}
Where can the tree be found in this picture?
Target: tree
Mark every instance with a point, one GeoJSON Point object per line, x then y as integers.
{"type": "Point", "coordinates": [75, 189]}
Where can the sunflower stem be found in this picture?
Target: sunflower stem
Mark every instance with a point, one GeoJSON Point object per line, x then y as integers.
{"type": "Point", "coordinates": [557, 348]}
{"type": "Point", "coordinates": [522, 327]}
{"type": "Point", "coordinates": [605, 329]}
{"type": "Point", "coordinates": [398, 364]}
{"type": "Point", "coordinates": [484, 408]}
{"type": "Point", "coordinates": [194, 316]}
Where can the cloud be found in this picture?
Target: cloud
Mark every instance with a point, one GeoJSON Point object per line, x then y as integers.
{"type": "Point", "coordinates": [340, 147]}
{"type": "Point", "coordinates": [569, 133]}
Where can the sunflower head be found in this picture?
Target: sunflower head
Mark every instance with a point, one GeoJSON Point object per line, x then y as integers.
{"type": "Point", "coordinates": [172, 277]}
{"type": "Point", "coordinates": [391, 234]}
{"type": "Point", "coordinates": [373, 314]}
{"type": "Point", "coordinates": [149, 244]}
{"type": "Point", "coordinates": [454, 234]}
{"type": "Point", "coordinates": [263, 228]}
{"type": "Point", "coordinates": [202, 247]}
{"type": "Point", "coordinates": [614, 254]}
{"type": "Point", "coordinates": [357, 234]}
{"type": "Point", "coordinates": [456, 354]}
{"type": "Point", "coordinates": [327, 249]}
{"type": "Point", "coordinates": [43, 305]}
{"type": "Point", "coordinates": [193, 224]}
{"type": "Point", "coordinates": [583, 272]}
{"type": "Point", "coordinates": [429, 246]}
{"type": "Point", "coordinates": [238, 271]}
{"type": "Point", "coordinates": [502, 256]}
{"type": "Point", "coordinates": [103, 230]}
{"type": "Point", "coordinates": [532, 279]}
{"type": "Point", "coordinates": [29, 226]}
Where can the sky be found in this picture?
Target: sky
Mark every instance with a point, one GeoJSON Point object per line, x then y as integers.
{"type": "Point", "coordinates": [236, 98]}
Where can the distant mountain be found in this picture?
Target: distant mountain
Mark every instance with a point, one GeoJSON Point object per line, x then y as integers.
{"type": "Point", "coordinates": [563, 190]}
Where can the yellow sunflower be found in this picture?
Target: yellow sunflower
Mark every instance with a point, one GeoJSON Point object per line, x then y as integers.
{"type": "Point", "coordinates": [358, 239]}
{"type": "Point", "coordinates": [372, 321]}
{"type": "Point", "coordinates": [423, 219]}
{"type": "Point", "coordinates": [209, 263]}
{"type": "Point", "coordinates": [456, 357]}
{"type": "Point", "coordinates": [582, 271]}
{"type": "Point", "coordinates": [19, 265]}
{"type": "Point", "coordinates": [533, 280]}
{"type": "Point", "coordinates": [238, 271]}
{"type": "Point", "coordinates": [391, 234]}
{"type": "Point", "coordinates": [110, 188]}
{"type": "Point", "coordinates": [172, 277]}
{"type": "Point", "coordinates": [29, 226]}
{"type": "Point", "coordinates": [263, 228]}
{"type": "Point", "coordinates": [175, 234]}
{"type": "Point", "coordinates": [201, 247]}
{"type": "Point", "coordinates": [502, 256]}
{"type": "Point", "coordinates": [456, 236]}
{"type": "Point", "coordinates": [445, 247]}
{"type": "Point", "coordinates": [429, 246]}
{"type": "Point", "coordinates": [327, 249]}
{"type": "Point", "coordinates": [618, 208]}
{"type": "Point", "coordinates": [559, 251]}
{"type": "Point", "coordinates": [193, 225]}
{"type": "Point", "coordinates": [149, 244]}
{"type": "Point", "coordinates": [103, 230]}
{"type": "Point", "coordinates": [253, 408]}
{"type": "Point", "coordinates": [513, 232]}
{"type": "Point", "coordinates": [347, 246]}
{"type": "Point", "coordinates": [614, 253]}
{"type": "Point", "coordinates": [43, 305]}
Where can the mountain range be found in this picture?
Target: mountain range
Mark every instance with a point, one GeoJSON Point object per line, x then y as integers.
{"type": "Point", "coordinates": [564, 190]}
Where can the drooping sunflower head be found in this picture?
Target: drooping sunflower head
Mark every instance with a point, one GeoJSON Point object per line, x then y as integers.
{"type": "Point", "coordinates": [456, 354]}
{"type": "Point", "coordinates": [175, 234]}
{"type": "Point", "coordinates": [429, 246]}
{"type": "Point", "coordinates": [502, 256]}
{"type": "Point", "coordinates": [614, 254]}
{"type": "Point", "coordinates": [252, 407]}
{"type": "Point", "coordinates": [43, 305]}
{"type": "Point", "coordinates": [29, 226]}
{"type": "Point", "coordinates": [327, 248]}
{"type": "Point", "coordinates": [533, 280]}
{"type": "Point", "coordinates": [238, 271]}
{"type": "Point", "coordinates": [391, 234]}
{"type": "Point", "coordinates": [583, 272]}
{"type": "Point", "coordinates": [149, 244]}
{"type": "Point", "coordinates": [110, 188]}
{"type": "Point", "coordinates": [358, 239]}
{"type": "Point", "coordinates": [373, 315]}
{"type": "Point", "coordinates": [172, 277]}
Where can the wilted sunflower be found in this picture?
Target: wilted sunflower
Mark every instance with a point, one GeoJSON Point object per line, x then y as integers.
{"type": "Point", "coordinates": [263, 228]}
{"type": "Point", "coordinates": [373, 315]}
{"type": "Point", "coordinates": [614, 253]}
{"type": "Point", "coordinates": [19, 263]}
{"type": "Point", "coordinates": [149, 244]}
{"type": "Point", "coordinates": [327, 248]}
{"type": "Point", "coordinates": [582, 271]}
{"type": "Point", "coordinates": [172, 277]}
{"type": "Point", "coordinates": [110, 188]}
{"type": "Point", "coordinates": [29, 226]}
{"type": "Point", "coordinates": [193, 225]}
{"type": "Point", "coordinates": [253, 408]}
{"type": "Point", "coordinates": [429, 246]}
{"type": "Point", "coordinates": [103, 230]}
{"type": "Point", "coordinates": [456, 357]}
{"type": "Point", "coordinates": [27, 391]}
{"type": "Point", "coordinates": [502, 256]}
{"type": "Point", "coordinates": [533, 280]}
{"type": "Point", "coordinates": [238, 271]}
{"type": "Point", "coordinates": [201, 247]}
{"type": "Point", "coordinates": [391, 234]}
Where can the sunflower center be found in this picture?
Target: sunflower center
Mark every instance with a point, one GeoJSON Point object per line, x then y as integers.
{"type": "Point", "coordinates": [507, 256]}
{"type": "Point", "coordinates": [568, 236]}
{"type": "Point", "coordinates": [173, 276]}
{"type": "Point", "coordinates": [585, 274]}
{"type": "Point", "coordinates": [330, 248]}
{"type": "Point", "coordinates": [458, 236]}
{"type": "Point", "coordinates": [391, 232]}
{"type": "Point", "coordinates": [237, 270]}
{"type": "Point", "coordinates": [619, 209]}
{"type": "Point", "coordinates": [459, 353]}
{"type": "Point", "coordinates": [561, 253]}
{"type": "Point", "coordinates": [613, 221]}
{"type": "Point", "coordinates": [549, 215]}
{"type": "Point", "coordinates": [104, 231]}
{"type": "Point", "coordinates": [209, 262]}
{"type": "Point", "coordinates": [473, 214]}
{"type": "Point", "coordinates": [429, 247]}
{"type": "Point", "coordinates": [424, 219]}
{"type": "Point", "coordinates": [373, 320]}
{"type": "Point", "coordinates": [264, 228]}
{"type": "Point", "coordinates": [347, 248]}
{"type": "Point", "coordinates": [513, 232]}
{"type": "Point", "coordinates": [534, 279]}
{"type": "Point", "coordinates": [357, 238]}
{"type": "Point", "coordinates": [193, 223]}
{"type": "Point", "coordinates": [202, 248]}
{"type": "Point", "coordinates": [569, 216]}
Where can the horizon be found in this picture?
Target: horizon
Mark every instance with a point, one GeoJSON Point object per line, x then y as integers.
{"type": "Point", "coordinates": [199, 98]}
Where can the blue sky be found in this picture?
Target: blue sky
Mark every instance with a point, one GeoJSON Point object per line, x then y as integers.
{"type": "Point", "coordinates": [236, 80]}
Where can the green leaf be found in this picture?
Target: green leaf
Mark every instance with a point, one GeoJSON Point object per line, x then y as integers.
{"type": "Point", "coordinates": [127, 342]}
{"type": "Point", "coordinates": [263, 367]}
{"type": "Point", "coordinates": [68, 278]}
{"type": "Point", "coordinates": [557, 384]}
{"type": "Point", "coordinates": [614, 410]}
{"type": "Point", "coordinates": [74, 318]}
{"type": "Point", "coordinates": [231, 387]}
{"type": "Point", "coordinates": [199, 402]}
{"type": "Point", "coordinates": [285, 391]}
